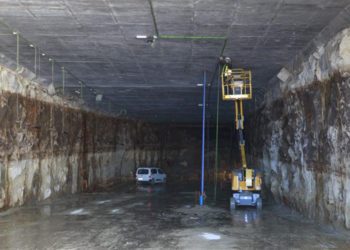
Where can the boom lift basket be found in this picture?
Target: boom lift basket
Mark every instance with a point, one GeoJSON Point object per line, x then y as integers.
{"type": "Point", "coordinates": [236, 84]}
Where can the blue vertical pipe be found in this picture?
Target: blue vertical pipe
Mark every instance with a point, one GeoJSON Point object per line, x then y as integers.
{"type": "Point", "coordinates": [201, 198]}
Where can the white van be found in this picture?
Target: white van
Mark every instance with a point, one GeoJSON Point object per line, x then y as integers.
{"type": "Point", "coordinates": [150, 175]}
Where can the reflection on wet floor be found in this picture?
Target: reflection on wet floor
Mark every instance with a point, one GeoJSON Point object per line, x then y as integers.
{"type": "Point", "coordinates": [158, 217]}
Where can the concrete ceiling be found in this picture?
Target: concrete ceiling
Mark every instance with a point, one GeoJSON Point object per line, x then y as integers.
{"type": "Point", "coordinates": [95, 39]}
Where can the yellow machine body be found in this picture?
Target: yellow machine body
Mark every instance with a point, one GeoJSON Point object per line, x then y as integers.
{"type": "Point", "coordinates": [251, 182]}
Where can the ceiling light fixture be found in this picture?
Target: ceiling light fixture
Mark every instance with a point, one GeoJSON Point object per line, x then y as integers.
{"type": "Point", "coordinates": [141, 37]}
{"type": "Point", "coordinates": [149, 39]}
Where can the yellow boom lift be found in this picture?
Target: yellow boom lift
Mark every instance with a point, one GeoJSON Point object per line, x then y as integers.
{"type": "Point", "coordinates": [246, 182]}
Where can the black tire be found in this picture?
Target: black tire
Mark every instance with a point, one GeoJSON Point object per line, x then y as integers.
{"type": "Point", "coordinates": [259, 203]}
{"type": "Point", "coordinates": [232, 204]}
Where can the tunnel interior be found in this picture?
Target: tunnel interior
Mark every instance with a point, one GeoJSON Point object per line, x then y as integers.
{"type": "Point", "coordinates": [91, 91]}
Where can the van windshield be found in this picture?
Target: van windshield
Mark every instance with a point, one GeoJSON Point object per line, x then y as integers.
{"type": "Point", "coordinates": [142, 171]}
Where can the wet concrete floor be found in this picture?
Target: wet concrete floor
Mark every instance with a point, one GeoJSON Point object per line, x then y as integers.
{"type": "Point", "coordinates": [155, 217]}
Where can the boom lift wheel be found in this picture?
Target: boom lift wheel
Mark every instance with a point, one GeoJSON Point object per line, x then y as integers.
{"type": "Point", "coordinates": [259, 203]}
{"type": "Point", "coordinates": [232, 204]}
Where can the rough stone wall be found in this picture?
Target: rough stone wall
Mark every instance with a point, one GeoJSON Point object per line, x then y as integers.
{"type": "Point", "coordinates": [48, 147]}
{"type": "Point", "coordinates": [52, 149]}
{"type": "Point", "coordinates": [302, 136]}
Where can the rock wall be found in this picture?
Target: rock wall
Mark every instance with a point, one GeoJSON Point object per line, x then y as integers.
{"type": "Point", "coordinates": [52, 149]}
{"type": "Point", "coordinates": [301, 136]}
{"type": "Point", "coordinates": [48, 147]}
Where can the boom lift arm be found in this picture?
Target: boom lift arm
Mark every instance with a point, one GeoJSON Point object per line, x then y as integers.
{"type": "Point", "coordinates": [239, 118]}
